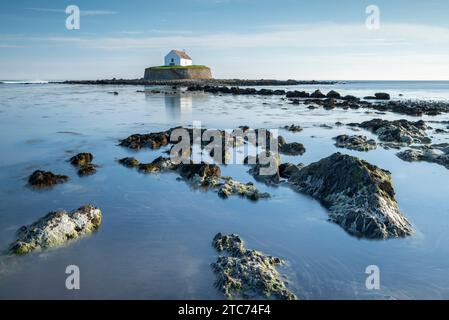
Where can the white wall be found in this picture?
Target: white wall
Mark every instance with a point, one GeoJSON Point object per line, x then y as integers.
{"type": "Point", "coordinates": [177, 61]}
{"type": "Point", "coordinates": [172, 58]}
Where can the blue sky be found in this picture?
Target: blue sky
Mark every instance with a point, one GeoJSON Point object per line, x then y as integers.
{"type": "Point", "coordinates": [319, 39]}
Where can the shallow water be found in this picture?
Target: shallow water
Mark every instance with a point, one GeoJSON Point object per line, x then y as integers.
{"type": "Point", "coordinates": [155, 239]}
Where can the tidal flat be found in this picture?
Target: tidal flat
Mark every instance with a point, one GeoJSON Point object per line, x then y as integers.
{"type": "Point", "coordinates": [154, 241]}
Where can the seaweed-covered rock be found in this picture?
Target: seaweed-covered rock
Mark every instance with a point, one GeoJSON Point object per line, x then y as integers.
{"type": "Point", "coordinates": [355, 142]}
{"type": "Point", "coordinates": [247, 273]}
{"type": "Point", "coordinates": [437, 153]}
{"type": "Point", "coordinates": [293, 128]}
{"type": "Point", "coordinates": [292, 149]}
{"type": "Point", "coordinates": [202, 170]}
{"type": "Point", "coordinates": [44, 179]}
{"type": "Point", "coordinates": [360, 196]}
{"type": "Point", "coordinates": [87, 170]}
{"type": "Point", "coordinates": [286, 170]}
{"type": "Point", "coordinates": [266, 168]}
{"type": "Point", "coordinates": [81, 159]}
{"type": "Point", "coordinates": [154, 140]}
{"type": "Point", "coordinates": [399, 132]}
{"type": "Point", "coordinates": [129, 162]}
{"type": "Point", "coordinates": [158, 164]}
{"type": "Point", "coordinates": [229, 187]}
{"type": "Point", "coordinates": [55, 229]}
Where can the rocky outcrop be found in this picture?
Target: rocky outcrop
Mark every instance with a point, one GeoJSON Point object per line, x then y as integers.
{"type": "Point", "coordinates": [45, 179]}
{"type": "Point", "coordinates": [177, 73]}
{"type": "Point", "coordinates": [83, 161]}
{"type": "Point", "coordinates": [293, 128]}
{"type": "Point", "coordinates": [292, 149]}
{"type": "Point", "coordinates": [247, 274]}
{"type": "Point", "coordinates": [317, 94]}
{"type": "Point", "coordinates": [154, 140]}
{"type": "Point", "coordinates": [129, 162]}
{"type": "Point", "coordinates": [286, 170]}
{"type": "Point", "coordinates": [228, 187]}
{"type": "Point", "coordinates": [397, 133]}
{"type": "Point", "coordinates": [437, 153]}
{"type": "Point", "coordinates": [359, 196]}
{"type": "Point", "coordinates": [56, 229]}
{"type": "Point", "coordinates": [379, 96]}
{"type": "Point", "coordinates": [355, 142]}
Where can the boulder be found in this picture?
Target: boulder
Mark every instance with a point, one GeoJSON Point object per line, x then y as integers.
{"type": "Point", "coordinates": [292, 149]}
{"type": "Point", "coordinates": [247, 274]}
{"type": "Point", "coordinates": [355, 142]}
{"type": "Point", "coordinates": [81, 159]}
{"type": "Point", "coordinates": [359, 196]}
{"type": "Point", "coordinates": [333, 94]}
{"type": "Point", "coordinates": [43, 179]}
{"type": "Point", "coordinates": [317, 95]}
{"type": "Point", "coordinates": [129, 162]}
{"type": "Point", "coordinates": [56, 229]}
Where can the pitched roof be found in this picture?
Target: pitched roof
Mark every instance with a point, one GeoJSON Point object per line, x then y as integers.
{"type": "Point", "coordinates": [181, 54]}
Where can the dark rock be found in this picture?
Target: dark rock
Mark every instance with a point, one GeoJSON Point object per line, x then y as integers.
{"type": "Point", "coordinates": [286, 170]}
{"type": "Point", "coordinates": [129, 162]}
{"type": "Point", "coordinates": [318, 95]}
{"type": "Point", "coordinates": [359, 143]}
{"type": "Point", "coordinates": [297, 94]}
{"type": "Point", "coordinates": [360, 196]}
{"type": "Point", "coordinates": [292, 149]}
{"type": "Point", "coordinates": [81, 159]}
{"type": "Point", "coordinates": [382, 96]}
{"type": "Point", "coordinates": [333, 94]}
{"type": "Point", "coordinates": [293, 128]}
{"type": "Point", "coordinates": [87, 170]}
{"type": "Point", "coordinates": [42, 179]}
{"type": "Point", "coordinates": [154, 140]}
{"type": "Point", "coordinates": [399, 132]}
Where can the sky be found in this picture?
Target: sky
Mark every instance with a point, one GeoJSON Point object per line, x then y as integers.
{"type": "Point", "coordinates": [248, 39]}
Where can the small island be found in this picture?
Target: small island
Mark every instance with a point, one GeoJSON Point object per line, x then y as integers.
{"type": "Point", "coordinates": [178, 66]}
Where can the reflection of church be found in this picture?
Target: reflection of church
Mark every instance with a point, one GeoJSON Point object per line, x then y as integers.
{"type": "Point", "coordinates": [178, 106]}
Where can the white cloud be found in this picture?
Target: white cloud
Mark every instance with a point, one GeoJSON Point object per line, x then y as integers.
{"type": "Point", "coordinates": [82, 12]}
{"type": "Point", "coordinates": [306, 36]}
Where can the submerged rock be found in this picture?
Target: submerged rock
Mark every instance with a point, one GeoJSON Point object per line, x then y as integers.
{"type": "Point", "coordinates": [398, 132]}
{"type": "Point", "coordinates": [129, 162]}
{"type": "Point", "coordinates": [43, 179]}
{"type": "Point", "coordinates": [247, 273]}
{"type": "Point", "coordinates": [55, 229]}
{"type": "Point", "coordinates": [229, 187]}
{"type": "Point", "coordinates": [154, 140]}
{"type": "Point", "coordinates": [355, 142]}
{"type": "Point", "coordinates": [438, 154]}
{"type": "Point", "coordinates": [87, 170]}
{"type": "Point", "coordinates": [360, 196]}
{"type": "Point", "coordinates": [286, 170]}
{"type": "Point", "coordinates": [84, 163]}
{"type": "Point", "coordinates": [293, 128]}
{"type": "Point", "coordinates": [81, 159]}
{"type": "Point", "coordinates": [292, 149]}
{"type": "Point", "coordinates": [159, 164]}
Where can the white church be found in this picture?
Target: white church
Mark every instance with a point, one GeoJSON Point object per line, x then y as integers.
{"type": "Point", "coordinates": [178, 58]}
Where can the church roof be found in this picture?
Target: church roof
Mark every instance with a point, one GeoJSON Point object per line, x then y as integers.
{"type": "Point", "coordinates": [181, 54]}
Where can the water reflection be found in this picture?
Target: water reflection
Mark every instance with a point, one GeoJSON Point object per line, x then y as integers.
{"type": "Point", "coordinates": [178, 106]}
